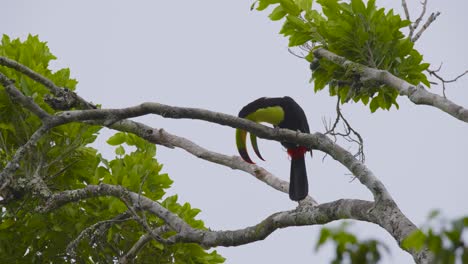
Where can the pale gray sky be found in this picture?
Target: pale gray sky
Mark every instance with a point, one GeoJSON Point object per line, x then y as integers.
{"type": "Point", "coordinates": [219, 55]}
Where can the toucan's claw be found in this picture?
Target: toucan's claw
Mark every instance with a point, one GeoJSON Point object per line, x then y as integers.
{"type": "Point", "coordinates": [245, 156]}
{"type": "Point", "coordinates": [253, 140]}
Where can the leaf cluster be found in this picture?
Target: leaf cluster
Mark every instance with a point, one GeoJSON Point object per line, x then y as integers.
{"type": "Point", "coordinates": [66, 161]}
{"type": "Point", "coordinates": [348, 248]}
{"type": "Point", "coordinates": [446, 243]}
{"type": "Point", "coordinates": [360, 32]}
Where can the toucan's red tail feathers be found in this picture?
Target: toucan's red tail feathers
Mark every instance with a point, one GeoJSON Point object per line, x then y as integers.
{"type": "Point", "coordinates": [297, 153]}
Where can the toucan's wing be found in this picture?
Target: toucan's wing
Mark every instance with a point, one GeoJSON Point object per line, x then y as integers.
{"type": "Point", "coordinates": [261, 110]}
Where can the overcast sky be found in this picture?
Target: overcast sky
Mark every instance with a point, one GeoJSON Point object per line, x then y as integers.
{"type": "Point", "coordinates": [219, 55]}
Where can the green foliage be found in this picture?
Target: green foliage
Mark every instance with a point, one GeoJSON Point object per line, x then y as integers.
{"type": "Point", "coordinates": [446, 243]}
{"type": "Point", "coordinates": [348, 249]}
{"type": "Point", "coordinates": [66, 161]}
{"type": "Point", "coordinates": [361, 33]}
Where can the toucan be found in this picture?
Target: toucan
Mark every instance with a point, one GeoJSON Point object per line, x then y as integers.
{"type": "Point", "coordinates": [281, 112]}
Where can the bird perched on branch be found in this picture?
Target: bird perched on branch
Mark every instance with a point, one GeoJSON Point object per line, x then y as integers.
{"type": "Point", "coordinates": [281, 112]}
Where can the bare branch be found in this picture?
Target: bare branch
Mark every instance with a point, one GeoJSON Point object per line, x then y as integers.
{"type": "Point", "coordinates": [417, 94]}
{"type": "Point", "coordinates": [383, 211]}
{"type": "Point", "coordinates": [130, 255]}
{"type": "Point", "coordinates": [313, 141]}
{"type": "Point", "coordinates": [387, 215]}
{"type": "Point", "coordinates": [94, 231]}
{"type": "Point", "coordinates": [14, 164]}
{"type": "Point", "coordinates": [429, 21]}
{"type": "Point", "coordinates": [54, 89]}
{"type": "Point", "coordinates": [331, 130]}
{"type": "Point", "coordinates": [443, 80]}
{"type": "Point", "coordinates": [233, 162]}
{"type": "Point", "coordinates": [419, 19]}
{"type": "Point", "coordinates": [25, 101]}
{"type": "Point", "coordinates": [407, 14]}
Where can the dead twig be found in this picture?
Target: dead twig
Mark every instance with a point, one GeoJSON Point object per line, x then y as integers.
{"type": "Point", "coordinates": [349, 134]}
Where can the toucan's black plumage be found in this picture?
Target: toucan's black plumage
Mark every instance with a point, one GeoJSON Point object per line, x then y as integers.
{"type": "Point", "coordinates": [282, 112]}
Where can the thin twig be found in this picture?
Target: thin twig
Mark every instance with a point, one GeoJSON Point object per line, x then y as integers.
{"type": "Point", "coordinates": [419, 19]}
{"type": "Point", "coordinates": [94, 231]}
{"type": "Point", "coordinates": [348, 132]}
{"type": "Point", "coordinates": [443, 80]}
{"type": "Point", "coordinates": [54, 89]}
{"type": "Point", "coordinates": [429, 21]}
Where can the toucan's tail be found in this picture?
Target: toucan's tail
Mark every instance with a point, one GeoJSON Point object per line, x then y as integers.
{"type": "Point", "coordinates": [298, 186]}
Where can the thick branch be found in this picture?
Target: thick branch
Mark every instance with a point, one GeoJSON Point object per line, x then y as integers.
{"type": "Point", "coordinates": [162, 137]}
{"type": "Point", "coordinates": [324, 213]}
{"type": "Point", "coordinates": [417, 94]}
{"type": "Point", "coordinates": [316, 141]}
{"type": "Point", "coordinates": [383, 212]}
{"type": "Point", "coordinates": [386, 216]}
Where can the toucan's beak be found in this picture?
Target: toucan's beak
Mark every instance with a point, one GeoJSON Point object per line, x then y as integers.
{"type": "Point", "coordinates": [241, 136]}
{"type": "Point", "coordinates": [253, 140]}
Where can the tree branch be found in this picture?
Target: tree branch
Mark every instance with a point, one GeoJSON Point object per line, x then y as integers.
{"type": "Point", "coordinates": [429, 21]}
{"type": "Point", "coordinates": [417, 94]}
{"type": "Point", "coordinates": [162, 137]}
{"type": "Point", "coordinates": [94, 231]}
{"type": "Point", "coordinates": [314, 141]}
{"type": "Point", "coordinates": [54, 89]}
{"type": "Point", "coordinates": [443, 80]}
{"type": "Point", "coordinates": [407, 15]}
{"type": "Point", "coordinates": [383, 211]}
{"type": "Point", "coordinates": [14, 164]}
{"type": "Point", "coordinates": [25, 101]}
{"type": "Point", "coordinates": [387, 216]}
{"type": "Point", "coordinates": [131, 254]}
{"type": "Point", "coordinates": [419, 19]}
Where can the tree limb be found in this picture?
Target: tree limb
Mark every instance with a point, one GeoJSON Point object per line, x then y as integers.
{"type": "Point", "coordinates": [417, 94]}
{"type": "Point", "coordinates": [144, 239]}
{"type": "Point", "coordinates": [383, 211]}
{"type": "Point", "coordinates": [429, 21]}
{"type": "Point", "coordinates": [386, 216]}
{"type": "Point", "coordinates": [54, 89]}
{"type": "Point", "coordinates": [25, 101]}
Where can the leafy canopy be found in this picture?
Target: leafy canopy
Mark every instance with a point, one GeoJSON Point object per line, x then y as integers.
{"type": "Point", "coordinates": [447, 242]}
{"type": "Point", "coordinates": [348, 248]}
{"type": "Point", "coordinates": [357, 31]}
{"type": "Point", "coordinates": [66, 161]}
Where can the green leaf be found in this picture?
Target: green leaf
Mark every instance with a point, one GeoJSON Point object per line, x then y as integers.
{"type": "Point", "coordinates": [117, 139]}
{"type": "Point", "coordinates": [358, 6]}
{"type": "Point", "coordinates": [324, 236]}
{"type": "Point", "coordinates": [433, 214]}
{"type": "Point", "coordinates": [263, 4]}
{"type": "Point", "coordinates": [465, 221]}
{"type": "Point", "coordinates": [120, 151]}
{"type": "Point", "coordinates": [305, 5]}
{"type": "Point", "coordinates": [290, 7]}
{"type": "Point", "coordinates": [415, 240]}
{"type": "Point", "coordinates": [7, 223]}
{"type": "Point", "coordinates": [278, 13]}
{"type": "Point", "coordinates": [298, 39]}
{"type": "Point", "coordinates": [375, 103]}
{"type": "Point", "coordinates": [298, 23]}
